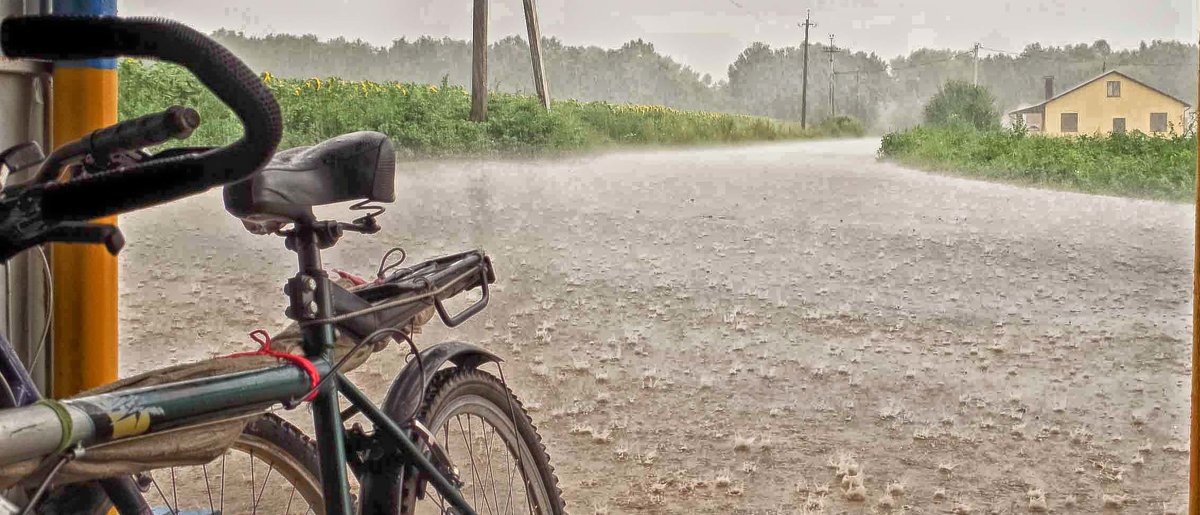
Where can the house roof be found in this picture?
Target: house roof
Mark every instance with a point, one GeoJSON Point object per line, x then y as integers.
{"type": "Point", "coordinates": [1027, 108]}
{"type": "Point", "coordinates": [1039, 106]}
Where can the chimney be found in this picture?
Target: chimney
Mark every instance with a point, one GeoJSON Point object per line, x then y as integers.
{"type": "Point", "coordinates": [1049, 87]}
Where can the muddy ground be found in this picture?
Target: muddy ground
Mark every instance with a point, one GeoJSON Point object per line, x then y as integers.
{"type": "Point", "coordinates": [732, 330]}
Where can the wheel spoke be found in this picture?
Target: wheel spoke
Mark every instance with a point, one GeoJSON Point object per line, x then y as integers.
{"type": "Point", "coordinates": [223, 455]}
{"type": "Point", "coordinates": [474, 470]}
{"type": "Point", "coordinates": [446, 443]}
{"type": "Point", "coordinates": [288, 510]}
{"type": "Point", "coordinates": [510, 460]}
{"type": "Point", "coordinates": [208, 489]}
{"type": "Point", "coordinates": [174, 490]}
{"type": "Point", "coordinates": [254, 507]}
{"type": "Point", "coordinates": [467, 445]}
{"type": "Point", "coordinates": [161, 494]}
{"type": "Point", "coordinates": [487, 446]}
{"type": "Point", "coordinates": [263, 490]}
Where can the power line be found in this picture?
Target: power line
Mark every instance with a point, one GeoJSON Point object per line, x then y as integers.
{"type": "Point", "coordinates": [925, 63]}
{"type": "Point", "coordinates": [1001, 51]}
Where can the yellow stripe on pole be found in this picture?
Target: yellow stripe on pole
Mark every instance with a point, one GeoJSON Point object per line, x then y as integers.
{"type": "Point", "coordinates": [1194, 465]}
{"type": "Point", "coordinates": [85, 276]}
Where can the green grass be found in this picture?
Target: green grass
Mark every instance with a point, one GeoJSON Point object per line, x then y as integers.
{"type": "Point", "coordinates": [1132, 164]}
{"type": "Point", "coordinates": [433, 119]}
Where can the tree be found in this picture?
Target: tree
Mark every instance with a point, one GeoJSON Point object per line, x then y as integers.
{"type": "Point", "coordinates": [959, 102]}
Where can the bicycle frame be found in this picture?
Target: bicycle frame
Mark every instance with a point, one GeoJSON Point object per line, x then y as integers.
{"type": "Point", "coordinates": [33, 430]}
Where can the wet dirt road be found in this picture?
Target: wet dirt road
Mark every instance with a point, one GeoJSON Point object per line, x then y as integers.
{"type": "Point", "coordinates": [740, 330]}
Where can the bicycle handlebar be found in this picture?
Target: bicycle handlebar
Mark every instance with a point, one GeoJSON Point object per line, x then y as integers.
{"type": "Point", "coordinates": [176, 122]}
{"type": "Point", "coordinates": [154, 182]}
{"type": "Point", "coordinates": [144, 131]}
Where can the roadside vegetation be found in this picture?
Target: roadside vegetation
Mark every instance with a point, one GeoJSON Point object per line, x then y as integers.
{"type": "Point", "coordinates": [425, 119]}
{"type": "Point", "coordinates": [960, 136]}
{"type": "Point", "coordinates": [763, 80]}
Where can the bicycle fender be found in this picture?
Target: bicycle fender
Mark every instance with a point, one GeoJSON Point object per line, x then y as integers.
{"type": "Point", "coordinates": [404, 396]}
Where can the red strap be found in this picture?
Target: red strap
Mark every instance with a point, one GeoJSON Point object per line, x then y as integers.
{"type": "Point", "coordinates": [264, 340]}
{"type": "Point", "coordinates": [354, 279]}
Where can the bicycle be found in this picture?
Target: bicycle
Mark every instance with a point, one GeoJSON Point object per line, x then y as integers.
{"type": "Point", "coordinates": [408, 455]}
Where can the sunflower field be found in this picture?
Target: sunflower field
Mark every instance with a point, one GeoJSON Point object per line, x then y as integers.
{"type": "Point", "coordinates": [424, 119]}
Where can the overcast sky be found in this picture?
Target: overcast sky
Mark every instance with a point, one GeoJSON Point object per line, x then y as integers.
{"type": "Point", "coordinates": [708, 34]}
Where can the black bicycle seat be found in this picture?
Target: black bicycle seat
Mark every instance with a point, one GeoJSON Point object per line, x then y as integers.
{"type": "Point", "coordinates": [355, 166]}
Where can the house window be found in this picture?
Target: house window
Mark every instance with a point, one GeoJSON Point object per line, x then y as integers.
{"type": "Point", "coordinates": [1158, 122]}
{"type": "Point", "coordinates": [1114, 88]}
{"type": "Point", "coordinates": [1118, 125]}
{"type": "Point", "coordinates": [1069, 122]}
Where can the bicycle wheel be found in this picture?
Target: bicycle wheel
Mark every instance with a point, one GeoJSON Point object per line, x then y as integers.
{"type": "Point", "coordinates": [271, 468]}
{"type": "Point", "coordinates": [490, 438]}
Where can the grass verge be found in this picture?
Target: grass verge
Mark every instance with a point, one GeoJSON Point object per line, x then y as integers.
{"type": "Point", "coordinates": [1130, 164]}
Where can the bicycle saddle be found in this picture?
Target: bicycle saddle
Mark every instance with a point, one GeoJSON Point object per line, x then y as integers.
{"type": "Point", "coordinates": [355, 166]}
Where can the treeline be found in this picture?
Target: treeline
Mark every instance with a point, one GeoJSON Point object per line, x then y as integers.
{"type": "Point", "coordinates": [763, 81]}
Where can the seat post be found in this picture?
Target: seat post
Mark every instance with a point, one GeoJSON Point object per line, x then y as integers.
{"type": "Point", "coordinates": [310, 298]}
{"type": "Point", "coordinates": [308, 291]}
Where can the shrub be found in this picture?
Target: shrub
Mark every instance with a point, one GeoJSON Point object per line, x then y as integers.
{"type": "Point", "coordinates": [960, 104]}
{"type": "Point", "coordinates": [841, 126]}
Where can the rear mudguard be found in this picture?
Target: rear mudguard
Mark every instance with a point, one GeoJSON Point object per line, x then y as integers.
{"type": "Point", "coordinates": [405, 394]}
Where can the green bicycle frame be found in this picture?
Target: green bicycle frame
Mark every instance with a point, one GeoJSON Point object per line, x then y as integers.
{"type": "Point", "coordinates": [50, 428]}
{"type": "Point", "coordinates": [137, 412]}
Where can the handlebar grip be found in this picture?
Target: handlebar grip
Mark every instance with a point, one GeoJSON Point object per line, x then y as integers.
{"type": "Point", "coordinates": [154, 182]}
{"type": "Point", "coordinates": [144, 131]}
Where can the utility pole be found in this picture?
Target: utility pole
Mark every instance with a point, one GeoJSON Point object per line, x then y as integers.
{"type": "Point", "coordinates": [831, 50]}
{"type": "Point", "coordinates": [535, 53]}
{"type": "Point", "coordinates": [479, 70]}
{"type": "Point", "coordinates": [804, 89]}
{"type": "Point", "coordinates": [858, 93]}
{"type": "Point", "coordinates": [976, 81]}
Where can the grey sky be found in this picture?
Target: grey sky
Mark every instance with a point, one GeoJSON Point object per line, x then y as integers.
{"type": "Point", "coordinates": [708, 34]}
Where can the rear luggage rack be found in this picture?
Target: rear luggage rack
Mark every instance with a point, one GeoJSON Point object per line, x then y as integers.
{"type": "Point", "coordinates": [406, 293]}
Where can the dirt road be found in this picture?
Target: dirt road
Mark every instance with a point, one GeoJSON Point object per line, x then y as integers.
{"type": "Point", "coordinates": [733, 330]}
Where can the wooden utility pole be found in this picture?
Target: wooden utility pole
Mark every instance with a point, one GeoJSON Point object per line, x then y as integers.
{"type": "Point", "coordinates": [479, 65]}
{"type": "Point", "coordinates": [535, 52]}
{"type": "Point", "coordinates": [479, 91]}
{"type": "Point", "coordinates": [976, 50]}
{"type": "Point", "coordinates": [804, 88]}
{"type": "Point", "coordinates": [831, 50]}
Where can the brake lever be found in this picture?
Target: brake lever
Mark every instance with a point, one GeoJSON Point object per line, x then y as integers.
{"type": "Point", "coordinates": [21, 222]}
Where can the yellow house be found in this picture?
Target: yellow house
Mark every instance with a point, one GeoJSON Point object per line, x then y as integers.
{"type": "Point", "coordinates": [1110, 102]}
